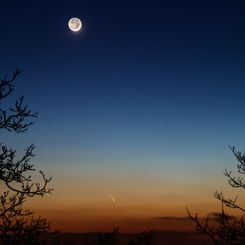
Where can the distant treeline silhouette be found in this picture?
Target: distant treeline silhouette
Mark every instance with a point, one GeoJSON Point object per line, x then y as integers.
{"type": "Point", "coordinates": [113, 238]}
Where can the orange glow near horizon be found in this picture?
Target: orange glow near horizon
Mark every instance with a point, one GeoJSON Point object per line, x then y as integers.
{"type": "Point", "coordinates": [90, 198]}
{"type": "Point", "coordinates": [79, 205]}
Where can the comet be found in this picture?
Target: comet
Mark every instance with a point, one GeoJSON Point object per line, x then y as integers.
{"type": "Point", "coordinates": [111, 197]}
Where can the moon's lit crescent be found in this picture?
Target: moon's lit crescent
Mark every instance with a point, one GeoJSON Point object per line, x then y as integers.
{"type": "Point", "coordinates": [75, 24]}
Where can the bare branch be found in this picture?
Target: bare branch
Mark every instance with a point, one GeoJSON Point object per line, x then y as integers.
{"type": "Point", "coordinates": [206, 229]}
{"type": "Point", "coordinates": [231, 203]}
{"type": "Point", "coordinates": [17, 226]}
{"type": "Point", "coordinates": [6, 85]}
{"type": "Point", "coordinates": [228, 229]}
{"type": "Point", "coordinates": [15, 121]}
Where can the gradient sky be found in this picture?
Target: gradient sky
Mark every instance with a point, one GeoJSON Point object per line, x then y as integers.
{"type": "Point", "coordinates": [140, 105]}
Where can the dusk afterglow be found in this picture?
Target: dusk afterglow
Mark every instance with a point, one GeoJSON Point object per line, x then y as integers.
{"type": "Point", "coordinates": [136, 110]}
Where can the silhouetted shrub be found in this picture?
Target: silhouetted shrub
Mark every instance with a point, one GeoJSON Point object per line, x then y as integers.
{"type": "Point", "coordinates": [228, 229]}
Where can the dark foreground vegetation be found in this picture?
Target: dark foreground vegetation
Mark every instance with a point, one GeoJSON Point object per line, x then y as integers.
{"type": "Point", "coordinates": [228, 229]}
{"type": "Point", "coordinates": [150, 237]}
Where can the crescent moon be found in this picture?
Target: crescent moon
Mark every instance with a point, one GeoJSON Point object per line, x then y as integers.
{"type": "Point", "coordinates": [75, 24]}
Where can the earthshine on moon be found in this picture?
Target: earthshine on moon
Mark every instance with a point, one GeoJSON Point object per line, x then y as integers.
{"type": "Point", "coordinates": [75, 24]}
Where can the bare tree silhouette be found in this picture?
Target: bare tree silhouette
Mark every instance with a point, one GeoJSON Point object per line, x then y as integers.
{"type": "Point", "coordinates": [228, 229]}
{"type": "Point", "coordinates": [17, 225]}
